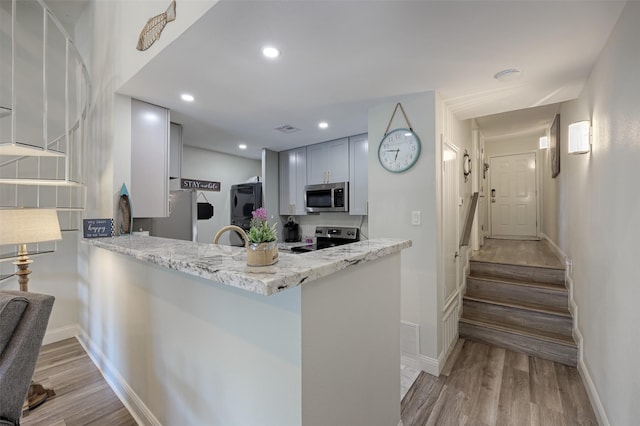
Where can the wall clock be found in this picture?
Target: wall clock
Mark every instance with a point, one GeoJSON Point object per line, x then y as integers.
{"type": "Point", "coordinates": [399, 150]}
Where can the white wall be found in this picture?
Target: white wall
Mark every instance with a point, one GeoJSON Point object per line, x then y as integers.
{"type": "Point", "coordinates": [459, 134]}
{"type": "Point", "coordinates": [598, 222]}
{"type": "Point", "coordinates": [198, 163]}
{"type": "Point", "coordinates": [183, 350]}
{"type": "Point", "coordinates": [55, 274]}
{"type": "Point", "coordinates": [549, 198]}
{"type": "Point", "coordinates": [510, 146]}
{"type": "Point", "coordinates": [392, 198]}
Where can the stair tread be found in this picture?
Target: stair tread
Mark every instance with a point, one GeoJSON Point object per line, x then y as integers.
{"type": "Point", "coordinates": [547, 309]}
{"type": "Point", "coordinates": [558, 268]}
{"type": "Point", "coordinates": [518, 282]}
{"type": "Point", "coordinates": [523, 331]}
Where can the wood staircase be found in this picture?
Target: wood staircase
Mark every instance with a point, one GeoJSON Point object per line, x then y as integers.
{"type": "Point", "coordinates": [519, 307]}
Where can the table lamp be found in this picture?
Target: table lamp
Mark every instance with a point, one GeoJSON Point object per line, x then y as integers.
{"type": "Point", "coordinates": [25, 226]}
{"type": "Point", "coordinates": [22, 227]}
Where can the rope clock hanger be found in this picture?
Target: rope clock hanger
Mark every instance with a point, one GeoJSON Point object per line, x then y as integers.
{"type": "Point", "coordinates": [399, 149]}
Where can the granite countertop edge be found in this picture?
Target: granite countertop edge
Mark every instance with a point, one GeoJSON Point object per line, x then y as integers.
{"type": "Point", "coordinates": [227, 264]}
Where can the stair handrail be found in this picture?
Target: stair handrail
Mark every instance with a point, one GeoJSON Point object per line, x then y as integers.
{"type": "Point", "coordinates": [468, 224]}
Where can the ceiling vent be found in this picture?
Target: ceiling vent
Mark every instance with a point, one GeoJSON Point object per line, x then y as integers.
{"type": "Point", "coordinates": [287, 128]}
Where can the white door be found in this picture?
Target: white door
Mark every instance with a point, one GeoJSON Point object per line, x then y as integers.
{"type": "Point", "coordinates": [450, 218]}
{"type": "Point", "coordinates": [512, 194]}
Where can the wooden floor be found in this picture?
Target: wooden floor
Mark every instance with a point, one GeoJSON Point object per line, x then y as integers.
{"type": "Point", "coordinates": [82, 397]}
{"type": "Point", "coordinates": [487, 385]}
{"type": "Point", "coordinates": [480, 385]}
{"type": "Point", "coordinates": [517, 252]}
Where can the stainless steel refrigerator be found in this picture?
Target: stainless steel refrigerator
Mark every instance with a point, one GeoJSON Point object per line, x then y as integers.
{"type": "Point", "coordinates": [245, 198]}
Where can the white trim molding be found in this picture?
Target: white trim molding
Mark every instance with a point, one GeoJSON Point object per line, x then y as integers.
{"type": "Point", "coordinates": [554, 247]}
{"type": "Point", "coordinates": [61, 333]}
{"type": "Point", "coordinates": [429, 365]}
{"type": "Point", "coordinates": [590, 387]}
{"type": "Point", "coordinates": [596, 403]}
{"type": "Point", "coordinates": [139, 411]}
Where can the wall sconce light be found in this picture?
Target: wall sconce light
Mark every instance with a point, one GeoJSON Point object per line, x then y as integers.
{"type": "Point", "coordinates": [580, 137]}
{"type": "Point", "coordinates": [544, 142]}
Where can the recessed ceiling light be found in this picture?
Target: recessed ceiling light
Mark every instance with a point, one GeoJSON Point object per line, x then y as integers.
{"type": "Point", "coordinates": [323, 124]}
{"type": "Point", "coordinates": [508, 74]}
{"type": "Point", "coordinates": [242, 146]}
{"type": "Point", "coordinates": [270, 52]}
{"type": "Point", "coordinates": [187, 97]}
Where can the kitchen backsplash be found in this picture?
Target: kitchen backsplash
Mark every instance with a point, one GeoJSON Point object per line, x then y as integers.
{"type": "Point", "coordinates": [308, 223]}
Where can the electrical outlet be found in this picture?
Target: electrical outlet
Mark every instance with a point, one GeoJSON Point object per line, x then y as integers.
{"type": "Point", "coordinates": [416, 217]}
{"type": "Point", "coordinates": [569, 266]}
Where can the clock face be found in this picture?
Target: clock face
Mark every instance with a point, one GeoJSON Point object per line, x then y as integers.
{"type": "Point", "coordinates": [399, 150]}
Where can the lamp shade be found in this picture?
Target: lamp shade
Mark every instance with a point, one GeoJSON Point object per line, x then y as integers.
{"type": "Point", "coordinates": [24, 226]}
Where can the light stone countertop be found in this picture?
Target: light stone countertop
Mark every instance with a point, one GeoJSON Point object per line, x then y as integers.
{"type": "Point", "coordinates": [227, 264]}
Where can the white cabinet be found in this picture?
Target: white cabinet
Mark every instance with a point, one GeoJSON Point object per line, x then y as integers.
{"type": "Point", "coordinates": [328, 162]}
{"type": "Point", "coordinates": [359, 174]}
{"type": "Point", "coordinates": [293, 178]}
{"type": "Point", "coordinates": [149, 160]}
{"type": "Point", "coordinates": [175, 151]}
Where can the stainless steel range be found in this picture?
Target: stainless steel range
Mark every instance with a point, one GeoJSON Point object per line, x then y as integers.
{"type": "Point", "coordinates": [330, 236]}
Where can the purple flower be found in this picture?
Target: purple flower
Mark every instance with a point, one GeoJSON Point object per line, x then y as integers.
{"type": "Point", "coordinates": [260, 214]}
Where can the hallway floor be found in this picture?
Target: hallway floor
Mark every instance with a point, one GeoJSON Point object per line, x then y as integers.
{"type": "Point", "coordinates": [487, 385]}
{"type": "Point", "coordinates": [518, 252]}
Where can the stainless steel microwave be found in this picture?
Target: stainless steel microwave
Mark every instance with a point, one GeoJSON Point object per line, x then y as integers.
{"type": "Point", "coordinates": [327, 197]}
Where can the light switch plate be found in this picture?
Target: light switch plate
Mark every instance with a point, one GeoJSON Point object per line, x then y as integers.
{"type": "Point", "coordinates": [416, 217]}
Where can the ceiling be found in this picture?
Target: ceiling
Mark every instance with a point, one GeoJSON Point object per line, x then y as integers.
{"type": "Point", "coordinates": [339, 58]}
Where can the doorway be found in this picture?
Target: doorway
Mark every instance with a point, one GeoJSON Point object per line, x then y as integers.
{"type": "Point", "coordinates": [450, 218]}
{"type": "Point", "coordinates": [513, 197]}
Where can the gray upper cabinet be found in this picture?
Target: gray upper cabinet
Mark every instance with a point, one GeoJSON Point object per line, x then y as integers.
{"type": "Point", "coordinates": [358, 174]}
{"type": "Point", "coordinates": [149, 160]}
{"type": "Point", "coordinates": [175, 151]}
{"type": "Point", "coordinates": [328, 162]}
{"type": "Point", "coordinates": [293, 178]}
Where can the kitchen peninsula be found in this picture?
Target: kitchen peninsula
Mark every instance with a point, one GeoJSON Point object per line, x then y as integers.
{"type": "Point", "coordinates": [197, 337]}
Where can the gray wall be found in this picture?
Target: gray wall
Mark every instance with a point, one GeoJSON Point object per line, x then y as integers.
{"type": "Point", "coordinates": [598, 222]}
{"type": "Point", "coordinates": [198, 163]}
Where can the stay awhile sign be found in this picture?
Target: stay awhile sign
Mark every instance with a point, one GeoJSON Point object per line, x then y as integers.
{"type": "Point", "coordinates": [200, 185]}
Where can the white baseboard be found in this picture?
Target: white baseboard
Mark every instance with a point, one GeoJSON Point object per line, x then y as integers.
{"type": "Point", "coordinates": [429, 365]}
{"type": "Point", "coordinates": [596, 403]}
{"type": "Point", "coordinates": [554, 247]}
{"type": "Point", "coordinates": [139, 411]}
{"type": "Point", "coordinates": [590, 387]}
{"type": "Point", "coordinates": [61, 333]}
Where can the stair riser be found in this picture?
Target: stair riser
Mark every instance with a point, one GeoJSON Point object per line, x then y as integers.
{"type": "Point", "coordinates": [514, 316]}
{"type": "Point", "coordinates": [488, 289]}
{"type": "Point", "coordinates": [525, 273]}
{"type": "Point", "coordinates": [543, 349]}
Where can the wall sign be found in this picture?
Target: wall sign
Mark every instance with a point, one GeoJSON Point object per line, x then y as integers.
{"type": "Point", "coordinates": [98, 228]}
{"type": "Point", "coordinates": [201, 185]}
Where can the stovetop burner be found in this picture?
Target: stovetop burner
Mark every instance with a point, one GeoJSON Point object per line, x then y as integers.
{"type": "Point", "coordinates": [330, 236]}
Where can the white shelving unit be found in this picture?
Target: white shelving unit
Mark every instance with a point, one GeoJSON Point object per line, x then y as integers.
{"type": "Point", "coordinates": [44, 102]}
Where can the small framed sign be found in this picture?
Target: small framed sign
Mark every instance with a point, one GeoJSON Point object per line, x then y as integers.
{"type": "Point", "coordinates": [200, 185]}
{"type": "Point", "coordinates": [98, 228]}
